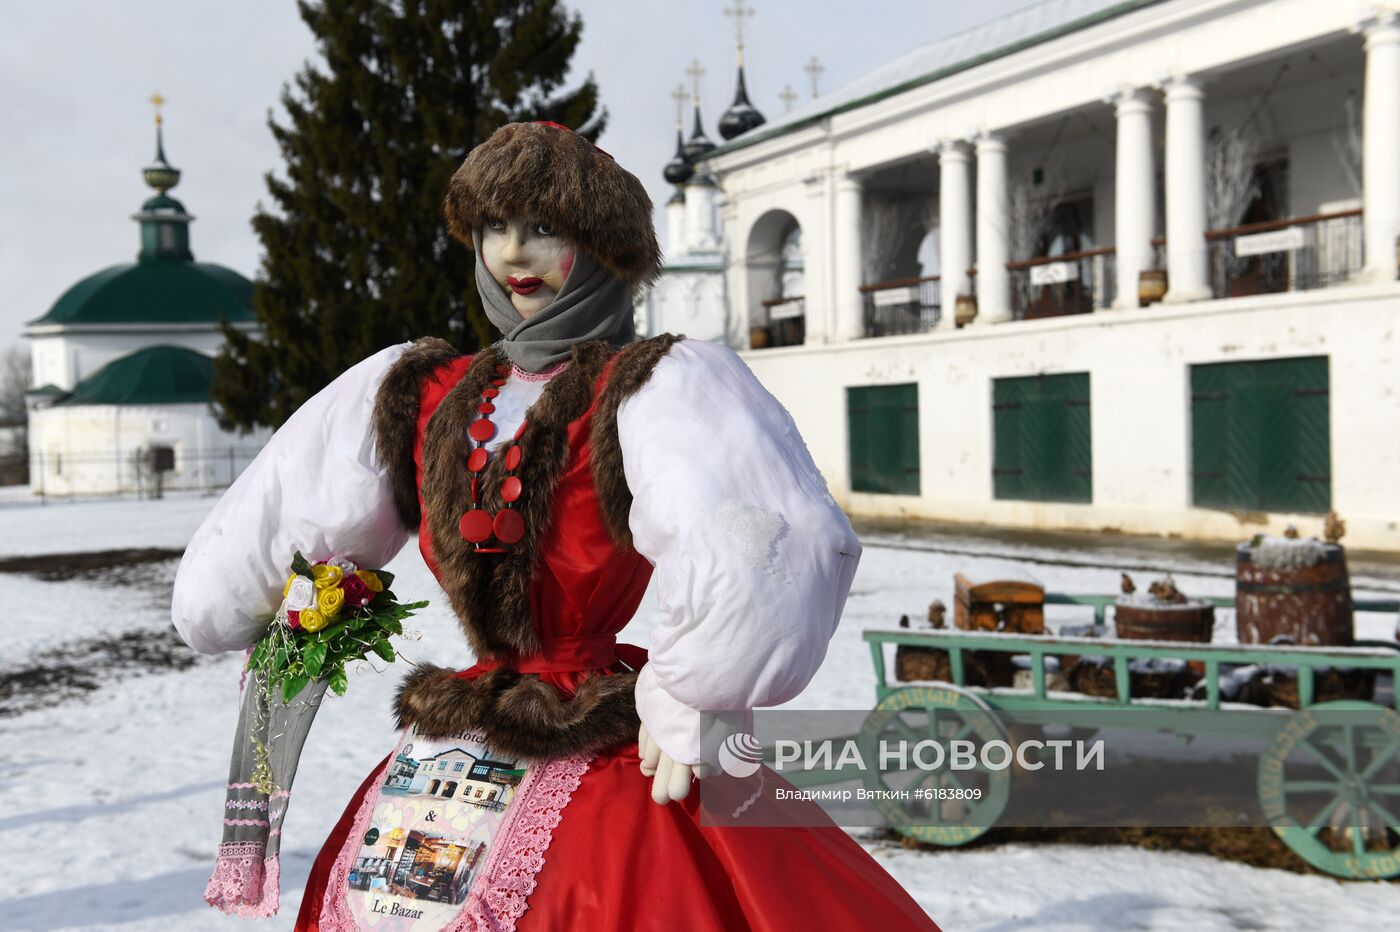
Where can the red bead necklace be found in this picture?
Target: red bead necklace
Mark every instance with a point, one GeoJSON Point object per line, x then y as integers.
{"type": "Point", "coordinates": [479, 525]}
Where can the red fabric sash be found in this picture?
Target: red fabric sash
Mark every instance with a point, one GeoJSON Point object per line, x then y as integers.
{"type": "Point", "coordinates": [577, 654]}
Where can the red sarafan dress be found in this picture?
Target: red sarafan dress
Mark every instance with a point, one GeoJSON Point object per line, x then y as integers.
{"type": "Point", "coordinates": [581, 844]}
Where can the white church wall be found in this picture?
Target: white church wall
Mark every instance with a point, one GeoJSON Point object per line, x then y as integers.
{"type": "Point", "coordinates": [67, 357]}
{"type": "Point", "coordinates": [94, 449]}
{"type": "Point", "coordinates": [1139, 364]}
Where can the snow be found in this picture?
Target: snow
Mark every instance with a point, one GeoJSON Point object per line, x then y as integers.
{"type": "Point", "coordinates": [120, 792]}
{"type": "Point", "coordinates": [1285, 553]}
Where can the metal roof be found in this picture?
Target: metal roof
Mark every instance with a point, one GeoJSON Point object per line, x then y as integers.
{"type": "Point", "coordinates": [156, 375]}
{"type": "Point", "coordinates": [1011, 33]}
{"type": "Point", "coordinates": [156, 291]}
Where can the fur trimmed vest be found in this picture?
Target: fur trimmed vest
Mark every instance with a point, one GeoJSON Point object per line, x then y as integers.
{"type": "Point", "coordinates": [542, 617]}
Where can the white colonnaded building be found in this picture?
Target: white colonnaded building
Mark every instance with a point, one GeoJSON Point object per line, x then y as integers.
{"type": "Point", "coordinates": [123, 364]}
{"type": "Point", "coordinates": [1123, 265]}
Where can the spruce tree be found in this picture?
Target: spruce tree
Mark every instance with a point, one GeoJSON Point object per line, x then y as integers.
{"type": "Point", "coordinates": [356, 256]}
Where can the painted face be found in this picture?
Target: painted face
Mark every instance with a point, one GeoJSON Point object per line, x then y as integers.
{"type": "Point", "coordinates": [527, 259]}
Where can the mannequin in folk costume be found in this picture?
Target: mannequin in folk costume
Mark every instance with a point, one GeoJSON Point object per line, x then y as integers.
{"type": "Point", "coordinates": [546, 478]}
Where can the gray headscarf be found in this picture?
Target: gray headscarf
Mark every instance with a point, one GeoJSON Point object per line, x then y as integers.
{"type": "Point", "coordinates": [592, 305]}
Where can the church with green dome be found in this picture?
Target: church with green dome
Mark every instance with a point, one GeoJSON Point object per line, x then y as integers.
{"type": "Point", "coordinates": [123, 365]}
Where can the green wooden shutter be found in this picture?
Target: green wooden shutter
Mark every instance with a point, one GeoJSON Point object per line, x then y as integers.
{"type": "Point", "coordinates": [1295, 468]}
{"type": "Point", "coordinates": [1010, 443]}
{"type": "Point", "coordinates": [1260, 435]}
{"type": "Point", "coordinates": [1210, 434]}
{"type": "Point", "coordinates": [883, 438]}
{"type": "Point", "coordinates": [1042, 440]}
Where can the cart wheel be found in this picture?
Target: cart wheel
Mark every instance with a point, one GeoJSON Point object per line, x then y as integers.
{"type": "Point", "coordinates": [1330, 788]}
{"type": "Point", "coordinates": [940, 806]}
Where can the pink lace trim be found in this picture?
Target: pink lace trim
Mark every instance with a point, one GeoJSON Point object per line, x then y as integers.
{"type": "Point", "coordinates": [526, 375]}
{"type": "Point", "coordinates": [243, 884]}
{"type": "Point", "coordinates": [499, 896]}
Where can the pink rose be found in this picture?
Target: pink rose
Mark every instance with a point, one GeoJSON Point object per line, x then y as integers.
{"type": "Point", "coordinates": [357, 594]}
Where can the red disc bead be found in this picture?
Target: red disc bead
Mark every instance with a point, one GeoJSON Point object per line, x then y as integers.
{"type": "Point", "coordinates": [475, 526]}
{"type": "Point", "coordinates": [476, 462]}
{"type": "Point", "coordinates": [498, 382]}
{"type": "Point", "coordinates": [476, 490]}
{"type": "Point", "coordinates": [482, 430]}
{"type": "Point", "coordinates": [520, 431]}
{"type": "Point", "coordinates": [486, 407]}
{"type": "Point", "coordinates": [490, 392]}
{"type": "Point", "coordinates": [513, 457]}
{"type": "Point", "coordinates": [511, 488]}
{"type": "Point", "coordinates": [509, 526]}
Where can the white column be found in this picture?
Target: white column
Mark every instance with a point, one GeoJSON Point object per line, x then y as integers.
{"type": "Point", "coordinates": [1380, 146]}
{"type": "Point", "coordinates": [675, 226]}
{"type": "Point", "coordinates": [1187, 271]}
{"type": "Point", "coordinates": [1133, 192]}
{"type": "Point", "coordinates": [993, 231]}
{"type": "Point", "coordinates": [700, 215]}
{"type": "Point", "coordinates": [848, 243]}
{"type": "Point", "coordinates": [954, 226]}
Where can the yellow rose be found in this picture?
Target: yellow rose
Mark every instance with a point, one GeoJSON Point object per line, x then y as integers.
{"type": "Point", "coordinates": [312, 620]}
{"type": "Point", "coordinates": [327, 576]}
{"type": "Point", "coordinates": [330, 602]}
{"type": "Point", "coordinates": [371, 581]}
{"type": "Point", "coordinates": [288, 587]}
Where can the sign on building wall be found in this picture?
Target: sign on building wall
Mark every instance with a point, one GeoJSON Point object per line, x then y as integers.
{"type": "Point", "coordinates": [1257, 244]}
{"type": "Point", "coordinates": [1054, 273]}
{"type": "Point", "coordinates": [891, 296]}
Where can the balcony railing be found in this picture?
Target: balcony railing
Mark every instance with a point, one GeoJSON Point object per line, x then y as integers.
{"type": "Point", "coordinates": [901, 306]}
{"type": "Point", "coordinates": [1052, 286]}
{"type": "Point", "coordinates": [786, 323]}
{"type": "Point", "coordinates": [1296, 254]}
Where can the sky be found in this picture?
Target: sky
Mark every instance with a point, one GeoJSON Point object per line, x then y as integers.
{"type": "Point", "coordinates": [76, 77]}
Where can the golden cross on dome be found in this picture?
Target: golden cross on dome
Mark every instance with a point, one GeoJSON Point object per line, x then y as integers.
{"type": "Point", "coordinates": [814, 69]}
{"type": "Point", "coordinates": [696, 72]}
{"type": "Point", "coordinates": [157, 101]}
{"type": "Point", "coordinates": [738, 12]}
{"type": "Point", "coordinates": [679, 95]}
{"type": "Point", "coordinates": [788, 96]}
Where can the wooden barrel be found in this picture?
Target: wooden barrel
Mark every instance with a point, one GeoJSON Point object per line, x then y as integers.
{"type": "Point", "coordinates": [1192, 620]}
{"type": "Point", "coordinates": [1302, 601]}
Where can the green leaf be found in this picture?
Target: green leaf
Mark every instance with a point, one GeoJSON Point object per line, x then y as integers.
{"type": "Point", "coordinates": [300, 566]}
{"type": "Point", "coordinates": [386, 578]}
{"type": "Point", "coordinates": [293, 685]}
{"type": "Point", "coordinates": [337, 680]}
{"type": "Point", "coordinates": [384, 649]}
{"type": "Point", "coordinates": [313, 657]}
{"type": "Point", "coordinates": [279, 659]}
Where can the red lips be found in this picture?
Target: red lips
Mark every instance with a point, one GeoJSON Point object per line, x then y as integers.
{"type": "Point", "coordinates": [524, 285]}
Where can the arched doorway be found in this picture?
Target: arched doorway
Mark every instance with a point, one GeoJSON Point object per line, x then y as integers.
{"type": "Point", "coordinates": [773, 262]}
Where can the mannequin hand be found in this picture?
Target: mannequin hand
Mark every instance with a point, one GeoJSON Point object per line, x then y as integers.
{"type": "Point", "coordinates": [670, 780]}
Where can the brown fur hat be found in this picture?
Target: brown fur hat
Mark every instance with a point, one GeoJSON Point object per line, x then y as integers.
{"type": "Point", "coordinates": [551, 175]}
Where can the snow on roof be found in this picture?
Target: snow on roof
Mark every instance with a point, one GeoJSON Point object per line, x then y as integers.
{"type": "Point", "coordinates": [1017, 30]}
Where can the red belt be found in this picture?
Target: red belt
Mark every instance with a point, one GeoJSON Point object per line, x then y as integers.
{"type": "Point", "coordinates": [573, 654]}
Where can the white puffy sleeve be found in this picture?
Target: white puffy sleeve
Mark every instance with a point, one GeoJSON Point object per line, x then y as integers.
{"type": "Point", "coordinates": [753, 557]}
{"type": "Point", "coordinates": [317, 487]}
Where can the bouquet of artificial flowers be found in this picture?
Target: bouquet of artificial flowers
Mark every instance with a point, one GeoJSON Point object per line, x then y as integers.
{"type": "Point", "coordinates": [332, 613]}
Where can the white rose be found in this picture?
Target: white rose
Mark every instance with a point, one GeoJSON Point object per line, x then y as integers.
{"type": "Point", "coordinates": [302, 594]}
{"type": "Point", "coordinates": [346, 567]}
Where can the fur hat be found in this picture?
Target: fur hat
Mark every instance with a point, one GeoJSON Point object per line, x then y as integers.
{"type": "Point", "coordinates": [550, 174]}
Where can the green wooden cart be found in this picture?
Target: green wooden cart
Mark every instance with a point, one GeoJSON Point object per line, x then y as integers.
{"type": "Point", "coordinates": [1351, 756]}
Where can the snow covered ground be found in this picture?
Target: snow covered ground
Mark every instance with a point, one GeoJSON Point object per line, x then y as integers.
{"type": "Point", "coordinates": [109, 804]}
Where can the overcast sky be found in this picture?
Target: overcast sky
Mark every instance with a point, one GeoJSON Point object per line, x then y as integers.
{"type": "Point", "coordinates": [75, 77]}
